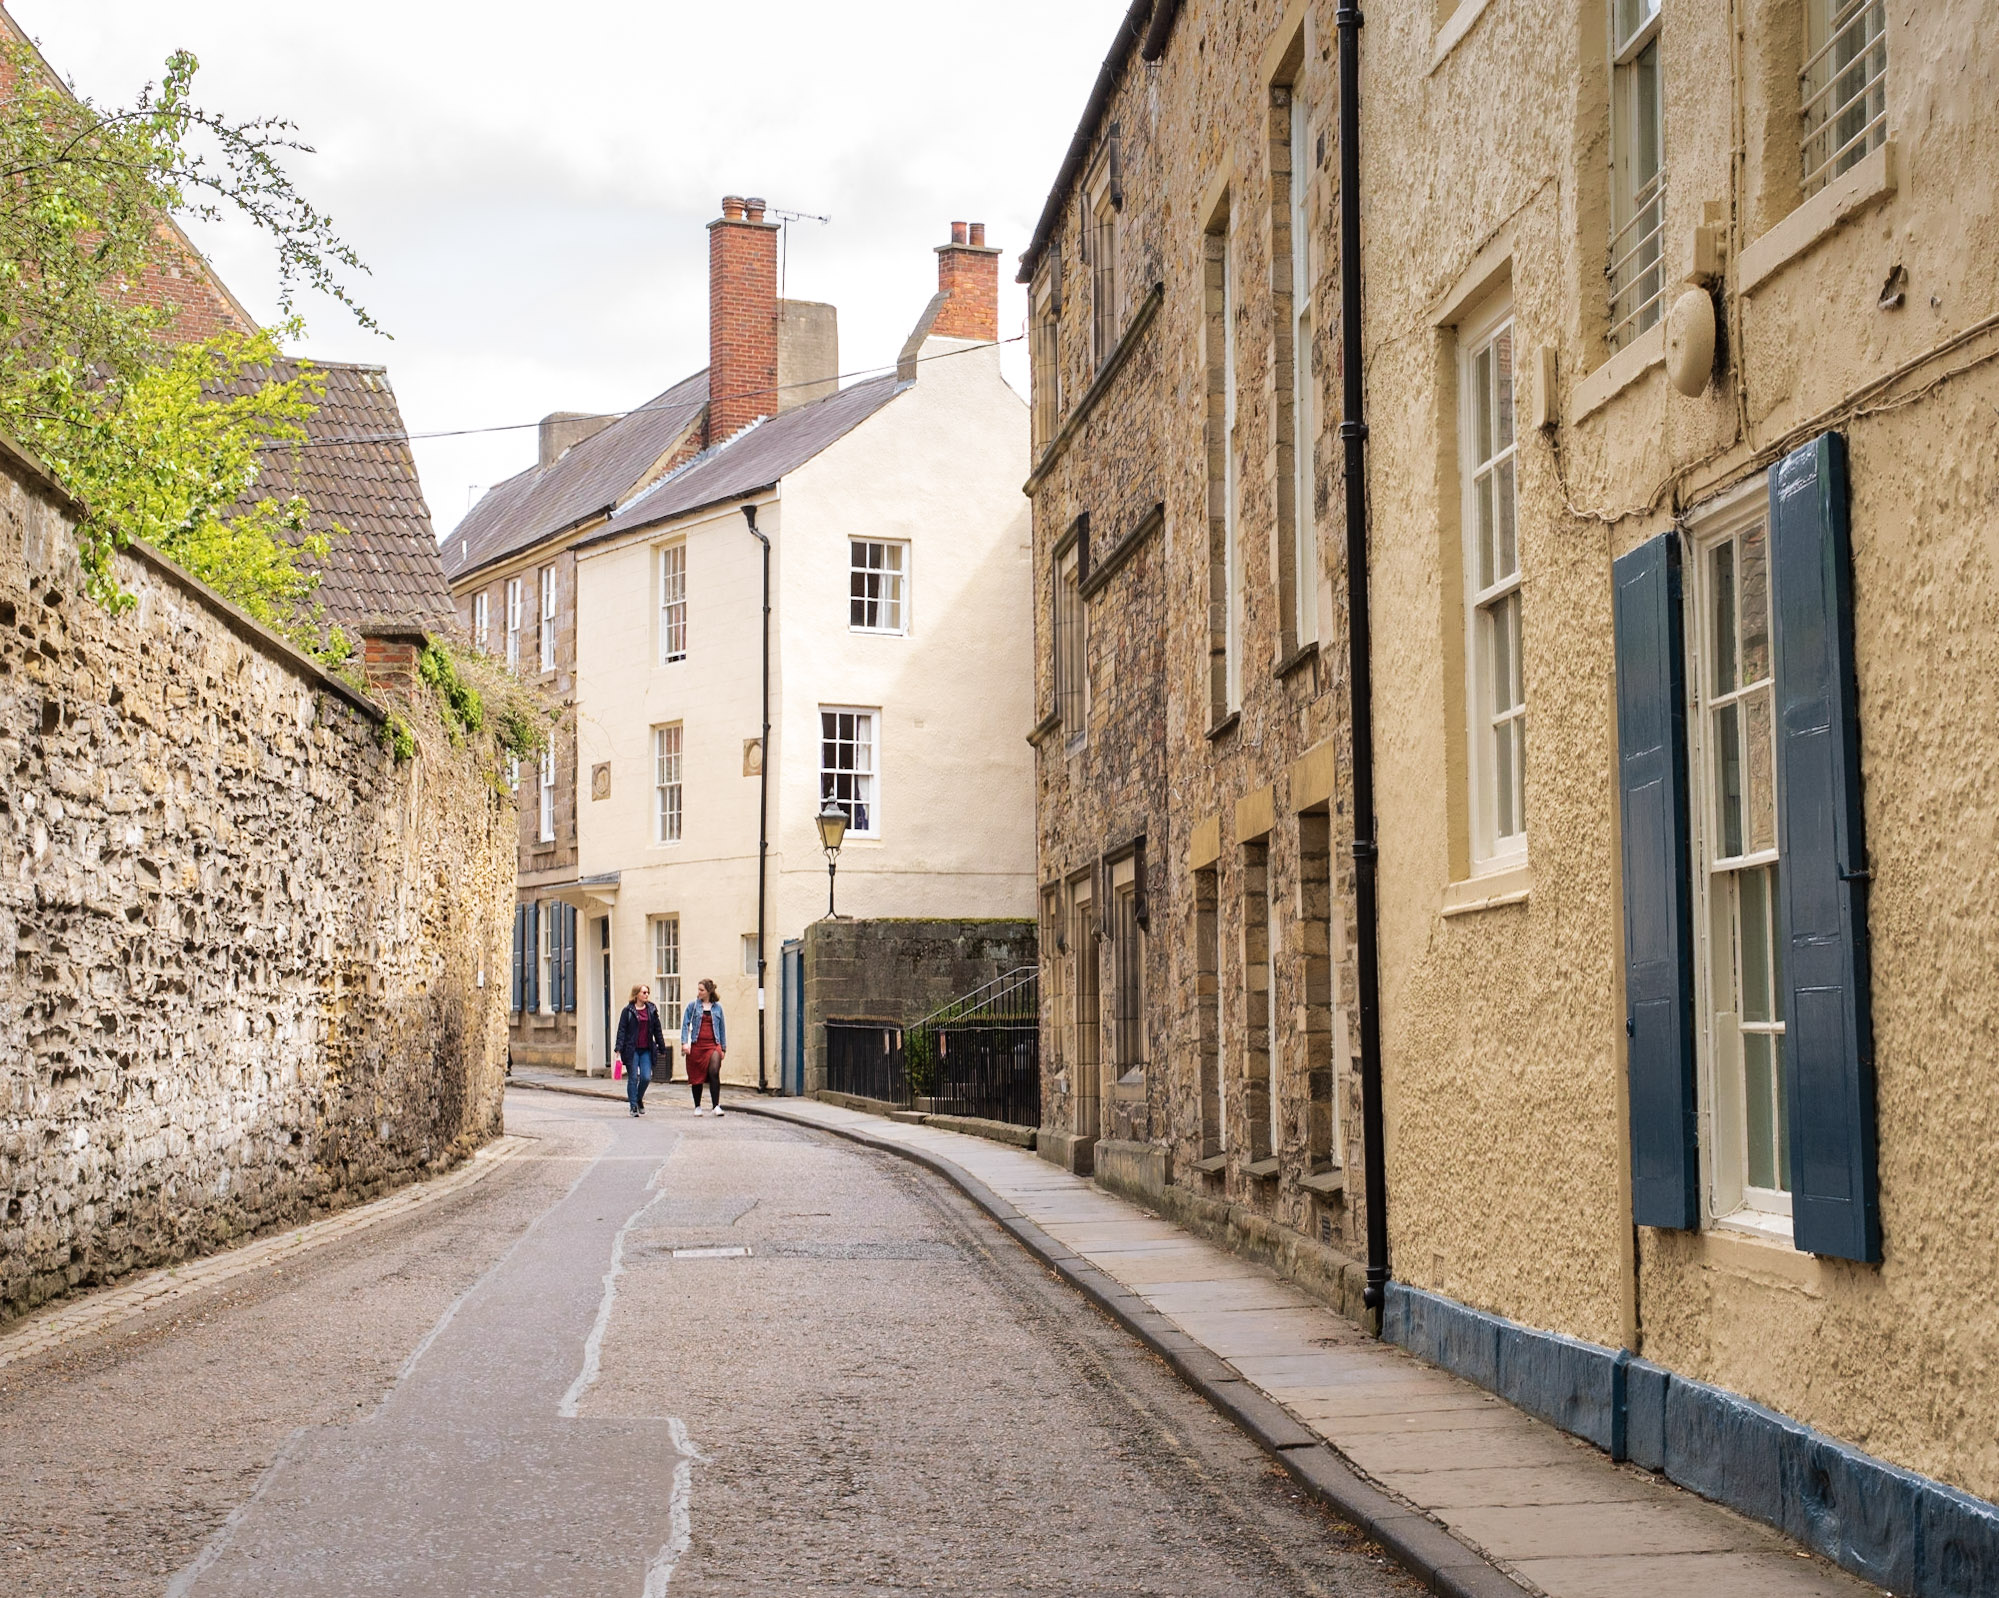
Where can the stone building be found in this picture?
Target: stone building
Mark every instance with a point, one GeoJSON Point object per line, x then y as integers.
{"type": "Point", "coordinates": [1189, 656]}
{"type": "Point", "coordinates": [1678, 339]}
{"type": "Point", "coordinates": [898, 666]}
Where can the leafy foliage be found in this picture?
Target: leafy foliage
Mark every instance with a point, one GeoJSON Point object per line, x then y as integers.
{"type": "Point", "coordinates": [158, 435]}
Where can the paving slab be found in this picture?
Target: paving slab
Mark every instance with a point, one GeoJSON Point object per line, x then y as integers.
{"type": "Point", "coordinates": [1471, 1493]}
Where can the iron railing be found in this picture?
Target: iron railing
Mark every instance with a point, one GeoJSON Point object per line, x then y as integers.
{"type": "Point", "coordinates": [979, 1055]}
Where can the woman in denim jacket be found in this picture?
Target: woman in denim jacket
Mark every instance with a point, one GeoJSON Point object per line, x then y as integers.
{"type": "Point", "coordinates": [704, 1039]}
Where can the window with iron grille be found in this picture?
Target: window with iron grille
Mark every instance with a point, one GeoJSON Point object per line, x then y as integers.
{"type": "Point", "coordinates": [513, 623]}
{"type": "Point", "coordinates": [666, 784]}
{"type": "Point", "coordinates": [877, 586]}
{"type": "Point", "coordinates": [548, 618]}
{"type": "Point", "coordinates": [1843, 88]}
{"type": "Point", "coordinates": [1495, 703]}
{"type": "Point", "coordinates": [666, 968]}
{"type": "Point", "coordinates": [481, 619]}
{"type": "Point", "coordinates": [672, 603]}
{"type": "Point", "coordinates": [1071, 669]}
{"type": "Point", "coordinates": [1044, 358]}
{"type": "Point", "coordinates": [848, 767]}
{"type": "Point", "coordinates": [546, 831]}
{"type": "Point", "coordinates": [1638, 171]}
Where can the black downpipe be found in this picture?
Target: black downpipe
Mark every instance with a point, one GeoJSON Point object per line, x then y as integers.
{"type": "Point", "coordinates": [763, 799]}
{"type": "Point", "coordinates": [1360, 670]}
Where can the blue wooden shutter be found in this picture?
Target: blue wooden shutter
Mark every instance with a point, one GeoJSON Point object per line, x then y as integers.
{"type": "Point", "coordinates": [533, 961]}
{"type": "Point", "coordinates": [569, 958]}
{"type": "Point", "coordinates": [1822, 866]}
{"type": "Point", "coordinates": [1658, 911]}
{"type": "Point", "coordinates": [520, 928]}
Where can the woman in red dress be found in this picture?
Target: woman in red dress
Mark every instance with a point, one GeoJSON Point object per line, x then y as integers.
{"type": "Point", "coordinates": [704, 1038]}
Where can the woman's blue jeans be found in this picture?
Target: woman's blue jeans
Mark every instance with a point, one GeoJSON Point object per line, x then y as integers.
{"type": "Point", "coordinates": [638, 1076]}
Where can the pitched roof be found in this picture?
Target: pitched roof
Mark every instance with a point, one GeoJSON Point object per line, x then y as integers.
{"type": "Point", "coordinates": [754, 459]}
{"type": "Point", "coordinates": [357, 473]}
{"type": "Point", "coordinates": [591, 478]}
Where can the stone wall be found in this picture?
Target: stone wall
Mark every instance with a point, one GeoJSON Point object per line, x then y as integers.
{"type": "Point", "coordinates": [899, 972]}
{"type": "Point", "coordinates": [251, 968]}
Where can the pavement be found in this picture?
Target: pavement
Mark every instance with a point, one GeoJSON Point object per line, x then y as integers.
{"type": "Point", "coordinates": [647, 1358]}
{"type": "Point", "coordinates": [1471, 1494]}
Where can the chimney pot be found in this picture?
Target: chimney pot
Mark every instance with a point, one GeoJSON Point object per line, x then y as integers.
{"type": "Point", "coordinates": [957, 233]}
{"type": "Point", "coordinates": [978, 235]}
{"type": "Point", "coordinates": [742, 317]}
{"type": "Point", "coordinates": [755, 206]}
{"type": "Point", "coordinates": [732, 207]}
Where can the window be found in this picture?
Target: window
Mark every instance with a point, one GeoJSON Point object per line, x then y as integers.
{"type": "Point", "coordinates": [750, 955]}
{"type": "Point", "coordinates": [1087, 1055]}
{"type": "Point", "coordinates": [672, 603]}
{"type": "Point", "coordinates": [548, 618]}
{"type": "Point", "coordinates": [1044, 354]}
{"type": "Point", "coordinates": [1259, 1002]}
{"type": "Point", "coordinates": [1318, 933]}
{"type": "Point", "coordinates": [876, 587]}
{"type": "Point", "coordinates": [1127, 971]}
{"type": "Point", "coordinates": [847, 768]}
{"type": "Point", "coordinates": [666, 967]}
{"type": "Point", "coordinates": [1208, 993]}
{"type": "Point", "coordinates": [1103, 199]}
{"type": "Point", "coordinates": [548, 955]}
{"type": "Point", "coordinates": [666, 784]}
{"type": "Point", "coordinates": [1231, 533]}
{"type": "Point", "coordinates": [1638, 172]}
{"type": "Point", "coordinates": [481, 620]}
{"type": "Point", "coordinates": [1071, 665]}
{"type": "Point", "coordinates": [1843, 87]}
{"type": "Point", "coordinates": [514, 773]}
{"type": "Point", "coordinates": [547, 829]}
{"type": "Point", "coordinates": [513, 623]}
{"type": "Point", "coordinates": [1495, 701]}
{"type": "Point", "coordinates": [1304, 429]}
{"type": "Point", "coordinates": [1740, 972]}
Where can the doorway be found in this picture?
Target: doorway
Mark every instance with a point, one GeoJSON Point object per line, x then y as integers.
{"type": "Point", "coordinates": [604, 967]}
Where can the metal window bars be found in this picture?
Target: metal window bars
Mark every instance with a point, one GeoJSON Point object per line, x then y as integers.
{"type": "Point", "coordinates": [1843, 91]}
{"type": "Point", "coordinates": [1637, 270]}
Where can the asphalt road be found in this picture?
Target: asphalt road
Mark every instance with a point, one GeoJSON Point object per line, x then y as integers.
{"type": "Point", "coordinates": [662, 1356]}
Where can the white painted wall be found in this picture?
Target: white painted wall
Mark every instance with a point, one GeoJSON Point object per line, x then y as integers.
{"type": "Point", "coordinates": [940, 466]}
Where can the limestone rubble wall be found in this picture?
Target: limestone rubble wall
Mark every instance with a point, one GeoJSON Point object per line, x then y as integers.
{"type": "Point", "coordinates": [251, 968]}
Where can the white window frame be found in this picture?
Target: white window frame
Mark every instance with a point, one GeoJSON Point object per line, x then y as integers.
{"type": "Point", "coordinates": [547, 581]}
{"type": "Point", "coordinates": [671, 592]}
{"type": "Point", "coordinates": [544, 931]}
{"type": "Point", "coordinates": [1492, 608]}
{"type": "Point", "coordinates": [1842, 88]}
{"type": "Point", "coordinates": [513, 624]}
{"type": "Point", "coordinates": [866, 780]}
{"type": "Point", "coordinates": [482, 619]}
{"type": "Point", "coordinates": [1637, 266]}
{"type": "Point", "coordinates": [665, 938]}
{"type": "Point", "coordinates": [891, 599]}
{"type": "Point", "coordinates": [750, 955]}
{"type": "Point", "coordinates": [514, 773]}
{"type": "Point", "coordinates": [1305, 558]}
{"type": "Point", "coordinates": [1232, 636]}
{"type": "Point", "coordinates": [669, 815]}
{"type": "Point", "coordinates": [1730, 1200]}
{"type": "Point", "coordinates": [546, 831]}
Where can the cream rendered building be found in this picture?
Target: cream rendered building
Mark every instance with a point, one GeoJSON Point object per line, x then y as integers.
{"type": "Point", "coordinates": [899, 666]}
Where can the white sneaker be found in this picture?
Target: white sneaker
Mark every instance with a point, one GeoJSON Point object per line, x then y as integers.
{"type": "Point", "coordinates": [700, 1110]}
{"type": "Point", "coordinates": [717, 1110]}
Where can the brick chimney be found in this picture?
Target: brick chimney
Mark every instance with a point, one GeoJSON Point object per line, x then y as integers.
{"type": "Point", "coordinates": [968, 271]}
{"type": "Point", "coordinates": [742, 317]}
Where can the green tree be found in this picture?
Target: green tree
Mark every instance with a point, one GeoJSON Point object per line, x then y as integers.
{"type": "Point", "coordinates": [159, 437]}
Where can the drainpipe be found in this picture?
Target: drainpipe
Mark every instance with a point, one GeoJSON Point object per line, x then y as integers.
{"type": "Point", "coordinates": [1353, 437]}
{"type": "Point", "coordinates": [763, 799]}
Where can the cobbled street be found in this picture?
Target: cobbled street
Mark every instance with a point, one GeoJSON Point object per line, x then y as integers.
{"type": "Point", "coordinates": [812, 1368]}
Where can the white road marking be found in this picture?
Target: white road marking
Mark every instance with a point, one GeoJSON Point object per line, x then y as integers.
{"type": "Point", "coordinates": [593, 1345]}
{"type": "Point", "coordinates": [680, 1523]}
{"type": "Point", "coordinates": [732, 1252]}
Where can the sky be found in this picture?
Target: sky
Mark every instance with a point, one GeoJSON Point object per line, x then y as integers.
{"type": "Point", "coordinates": [530, 185]}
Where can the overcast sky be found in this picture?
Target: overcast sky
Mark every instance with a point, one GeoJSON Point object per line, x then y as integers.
{"type": "Point", "coordinates": [531, 183]}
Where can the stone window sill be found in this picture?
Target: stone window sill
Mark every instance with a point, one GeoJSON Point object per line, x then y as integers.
{"type": "Point", "coordinates": [1454, 30]}
{"type": "Point", "coordinates": [1494, 891]}
{"type": "Point", "coordinates": [1302, 655]}
{"type": "Point", "coordinates": [1261, 1170]}
{"type": "Point", "coordinates": [1622, 370]}
{"type": "Point", "coordinates": [1846, 197]}
{"type": "Point", "coordinates": [1225, 726]}
{"type": "Point", "coordinates": [1213, 1165]}
{"type": "Point", "coordinates": [1326, 1183]}
{"type": "Point", "coordinates": [1129, 1088]}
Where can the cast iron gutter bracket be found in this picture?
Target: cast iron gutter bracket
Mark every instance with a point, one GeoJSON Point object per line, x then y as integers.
{"type": "Point", "coordinates": [1366, 853]}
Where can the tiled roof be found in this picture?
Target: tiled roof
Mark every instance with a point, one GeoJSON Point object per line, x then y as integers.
{"type": "Point", "coordinates": [591, 478]}
{"type": "Point", "coordinates": [755, 458]}
{"type": "Point", "coordinates": [356, 472]}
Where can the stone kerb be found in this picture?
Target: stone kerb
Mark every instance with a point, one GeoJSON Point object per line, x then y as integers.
{"type": "Point", "coordinates": [250, 967]}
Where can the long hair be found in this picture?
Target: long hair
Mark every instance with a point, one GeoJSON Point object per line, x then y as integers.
{"type": "Point", "coordinates": [637, 989]}
{"type": "Point", "coordinates": [707, 985]}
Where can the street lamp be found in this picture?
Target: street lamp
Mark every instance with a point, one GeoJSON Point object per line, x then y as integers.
{"type": "Point", "coordinates": [832, 825]}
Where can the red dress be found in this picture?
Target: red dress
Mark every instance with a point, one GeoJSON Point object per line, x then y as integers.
{"type": "Point", "coordinates": [701, 1052]}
